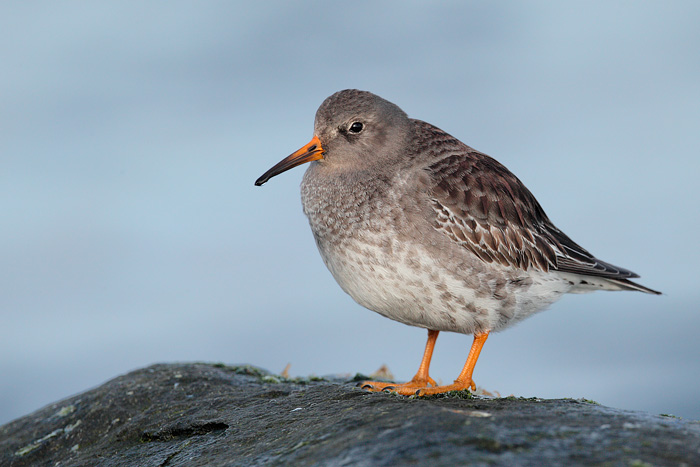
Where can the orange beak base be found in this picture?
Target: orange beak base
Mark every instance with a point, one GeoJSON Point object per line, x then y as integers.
{"type": "Point", "coordinates": [311, 152]}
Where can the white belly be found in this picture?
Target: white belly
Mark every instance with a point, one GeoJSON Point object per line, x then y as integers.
{"type": "Point", "coordinates": [406, 284]}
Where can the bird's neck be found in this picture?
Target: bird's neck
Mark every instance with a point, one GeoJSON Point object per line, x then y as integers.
{"type": "Point", "coordinates": [337, 201]}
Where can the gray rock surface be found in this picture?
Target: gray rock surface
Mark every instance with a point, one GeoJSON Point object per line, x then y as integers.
{"type": "Point", "coordinates": [215, 415]}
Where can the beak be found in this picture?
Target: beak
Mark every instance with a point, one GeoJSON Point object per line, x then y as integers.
{"type": "Point", "coordinates": [311, 152]}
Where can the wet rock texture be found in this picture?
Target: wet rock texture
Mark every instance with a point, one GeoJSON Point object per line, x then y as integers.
{"type": "Point", "coordinates": [215, 415]}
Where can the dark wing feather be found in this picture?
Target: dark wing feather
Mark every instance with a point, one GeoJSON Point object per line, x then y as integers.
{"type": "Point", "coordinates": [481, 205]}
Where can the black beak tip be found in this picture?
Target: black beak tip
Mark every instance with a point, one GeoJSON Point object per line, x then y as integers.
{"type": "Point", "coordinates": [260, 181]}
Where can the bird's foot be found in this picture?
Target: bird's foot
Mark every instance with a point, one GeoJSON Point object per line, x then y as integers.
{"type": "Point", "coordinates": [456, 386]}
{"type": "Point", "coordinates": [418, 387]}
{"type": "Point", "coordinates": [405, 389]}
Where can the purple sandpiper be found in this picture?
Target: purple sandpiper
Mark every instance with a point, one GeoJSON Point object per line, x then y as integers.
{"type": "Point", "coordinates": [423, 229]}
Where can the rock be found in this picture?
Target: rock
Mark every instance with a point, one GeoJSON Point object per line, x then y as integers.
{"type": "Point", "coordinates": [215, 415]}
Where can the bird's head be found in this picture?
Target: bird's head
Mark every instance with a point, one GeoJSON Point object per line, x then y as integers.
{"type": "Point", "coordinates": [352, 128]}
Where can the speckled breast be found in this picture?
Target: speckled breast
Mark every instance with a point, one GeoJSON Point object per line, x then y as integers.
{"type": "Point", "coordinates": [357, 234]}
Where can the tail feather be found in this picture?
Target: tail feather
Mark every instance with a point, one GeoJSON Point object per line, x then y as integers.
{"type": "Point", "coordinates": [586, 283]}
{"type": "Point", "coordinates": [629, 285]}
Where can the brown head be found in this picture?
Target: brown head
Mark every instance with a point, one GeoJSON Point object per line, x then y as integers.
{"type": "Point", "coordinates": [354, 128]}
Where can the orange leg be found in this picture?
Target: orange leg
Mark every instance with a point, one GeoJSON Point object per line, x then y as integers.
{"type": "Point", "coordinates": [464, 380]}
{"type": "Point", "coordinates": [419, 381]}
{"type": "Point", "coordinates": [418, 386]}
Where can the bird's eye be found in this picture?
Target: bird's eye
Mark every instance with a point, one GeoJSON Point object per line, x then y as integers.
{"type": "Point", "coordinates": [356, 127]}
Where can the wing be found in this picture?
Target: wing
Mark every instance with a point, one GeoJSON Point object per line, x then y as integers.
{"type": "Point", "coordinates": [482, 206]}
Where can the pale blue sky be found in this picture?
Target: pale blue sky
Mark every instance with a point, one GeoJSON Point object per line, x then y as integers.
{"type": "Point", "coordinates": [131, 134]}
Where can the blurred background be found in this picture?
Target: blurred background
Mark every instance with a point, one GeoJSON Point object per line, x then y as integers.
{"type": "Point", "coordinates": [131, 134]}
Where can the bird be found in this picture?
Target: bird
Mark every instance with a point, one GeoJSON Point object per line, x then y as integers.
{"type": "Point", "coordinates": [421, 228]}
